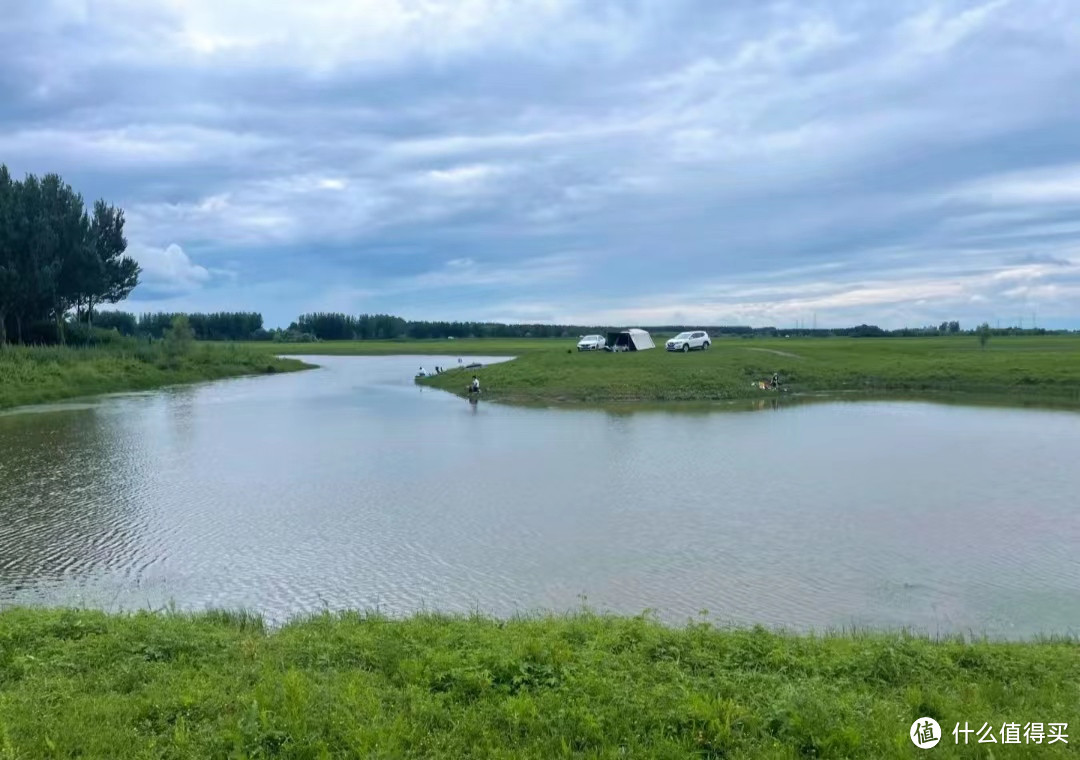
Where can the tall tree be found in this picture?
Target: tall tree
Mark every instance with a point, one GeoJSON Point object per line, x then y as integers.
{"type": "Point", "coordinates": [9, 274]}
{"type": "Point", "coordinates": [35, 254]}
{"type": "Point", "coordinates": [74, 264]}
{"type": "Point", "coordinates": [119, 274]}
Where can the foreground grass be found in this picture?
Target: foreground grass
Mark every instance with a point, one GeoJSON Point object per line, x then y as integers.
{"type": "Point", "coordinates": [33, 375]}
{"type": "Point", "coordinates": [1036, 370]}
{"type": "Point", "coordinates": [93, 685]}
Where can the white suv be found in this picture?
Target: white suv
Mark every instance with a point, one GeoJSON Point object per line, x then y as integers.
{"type": "Point", "coordinates": [591, 343]}
{"type": "Point", "coordinates": [688, 341]}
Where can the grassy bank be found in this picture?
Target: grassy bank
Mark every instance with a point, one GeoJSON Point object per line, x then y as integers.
{"type": "Point", "coordinates": [33, 375]}
{"type": "Point", "coordinates": [87, 684]}
{"type": "Point", "coordinates": [1037, 370]}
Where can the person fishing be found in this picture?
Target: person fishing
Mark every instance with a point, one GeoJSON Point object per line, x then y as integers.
{"type": "Point", "coordinates": [776, 380]}
{"type": "Point", "coordinates": [474, 386]}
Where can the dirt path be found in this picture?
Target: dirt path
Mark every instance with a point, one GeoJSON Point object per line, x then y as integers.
{"type": "Point", "coordinates": [774, 351]}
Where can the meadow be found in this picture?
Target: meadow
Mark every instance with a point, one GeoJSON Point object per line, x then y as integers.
{"type": "Point", "coordinates": [77, 683]}
{"type": "Point", "coordinates": [1022, 370]}
{"type": "Point", "coordinates": [1026, 370]}
{"type": "Point", "coordinates": [40, 374]}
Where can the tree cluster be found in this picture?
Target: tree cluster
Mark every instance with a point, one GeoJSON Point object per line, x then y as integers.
{"type": "Point", "coordinates": [329, 326]}
{"type": "Point", "coordinates": [335, 326]}
{"type": "Point", "coordinates": [223, 325]}
{"type": "Point", "coordinates": [55, 256]}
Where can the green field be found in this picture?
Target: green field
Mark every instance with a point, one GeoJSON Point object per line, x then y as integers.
{"type": "Point", "coordinates": [1022, 370]}
{"type": "Point", "coordinates": [92, 685]}
{"type": "Point", "coordinates": [36, 374]}
{"type": "Point", "coordinates": [1014, 370]}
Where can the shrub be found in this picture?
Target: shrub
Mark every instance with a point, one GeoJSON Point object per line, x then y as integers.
{"type": "Point", "coordinates": [179, 337]}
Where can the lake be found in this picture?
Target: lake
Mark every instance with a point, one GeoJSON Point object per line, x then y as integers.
{"type": "Point", "coordinates": [350, 487]}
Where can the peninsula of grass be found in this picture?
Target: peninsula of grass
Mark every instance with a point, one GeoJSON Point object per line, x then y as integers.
{"type": "Point", "coordinates": [39, 374]}
{"type": "Point", "coordinates": [1017, 370]}
{"type": "Point", "coordinates": [153, 685]}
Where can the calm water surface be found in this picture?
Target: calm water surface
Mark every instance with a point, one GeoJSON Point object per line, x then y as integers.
{"type": "Point", "coordinates": [348, 486]}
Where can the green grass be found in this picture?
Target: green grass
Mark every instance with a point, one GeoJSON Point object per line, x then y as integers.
{"type": "Point", "coordinates": [1035, 370]}
{"type": "Point", "coordinates": [33, 375]}
{"type": "Point", "coordinates": [93, 685]}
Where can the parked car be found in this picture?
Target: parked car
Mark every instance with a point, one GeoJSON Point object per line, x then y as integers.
{"type": "Point", "coordinates": [689, 341]}
{"type": "Point", "coordinates": [591, 343]}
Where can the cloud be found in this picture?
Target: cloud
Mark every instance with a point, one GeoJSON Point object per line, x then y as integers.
{"type": "Point", "coordinates": [935, 31]}
{"type": "Point", "coordinates": [873, 162]}
{"type": "Point", "coordinates": [1052, 185]}
{"type": "Point", "coordinates": [466, 179]}
{"type": "Point", "coordinates": [158, 147]}
{"type": "Point", "coordinates": [914, 298]}
{"type": "Point", "coordinates": [168, 270]}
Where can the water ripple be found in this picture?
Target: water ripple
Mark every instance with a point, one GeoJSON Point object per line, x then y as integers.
{"type": "Point", "coordinates": [347, 488]}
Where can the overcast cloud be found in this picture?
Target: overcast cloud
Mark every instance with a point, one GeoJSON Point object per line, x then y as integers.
{"type": "Point", "coordinates": [589, 161]}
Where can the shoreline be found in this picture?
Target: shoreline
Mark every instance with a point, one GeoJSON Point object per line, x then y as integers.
{"type": "Point", "coordinates": [1045, 373]}
{"type": "Point", "coordinates": [1021, 373]}
{"type": "Point", "coordinates": [36, 375]}
{"type": "Point", "coordinates": [1004, 400]}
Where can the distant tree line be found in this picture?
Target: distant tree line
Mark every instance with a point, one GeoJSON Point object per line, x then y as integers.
{"type": "Point", "coordinates": [331, 326]}
{"type": "Point", "coordinates": [222, 325]}
{"type": "Point", "coordinates": [336, 326]}
{"type": "Point", "coordinates": [56, 257]}
{"type": "Point", "coordinates": [225, 325]}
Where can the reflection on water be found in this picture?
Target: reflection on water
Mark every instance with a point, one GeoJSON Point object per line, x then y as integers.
{"type": "Point", "coordinates": [349, 487]}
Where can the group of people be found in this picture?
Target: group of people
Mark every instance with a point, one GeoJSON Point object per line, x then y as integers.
{"type": "Point", "coordinates": [769, 385]}
{"type": "Point", "coordinates": [473, 388]}
{"type": "Point", "coordinates": [438, 370]}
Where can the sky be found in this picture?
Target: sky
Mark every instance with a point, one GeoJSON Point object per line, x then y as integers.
{"type": "Point", "coordinates": [828, 162]}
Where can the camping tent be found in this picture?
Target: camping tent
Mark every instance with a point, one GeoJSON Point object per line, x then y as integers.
{"type": "Point", "coordinates": [629, 340]}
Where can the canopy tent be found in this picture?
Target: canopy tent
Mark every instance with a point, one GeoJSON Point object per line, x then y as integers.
{"type": "Point", "coordinates": [629, 340]}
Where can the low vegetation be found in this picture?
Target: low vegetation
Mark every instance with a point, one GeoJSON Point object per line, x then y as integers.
{"type": "Point", "coordinates": [94, 685]}
{"type": "Point", "coordinates": [1037, 370]}
{"type": "Point", "coordinates": [38, 374]}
